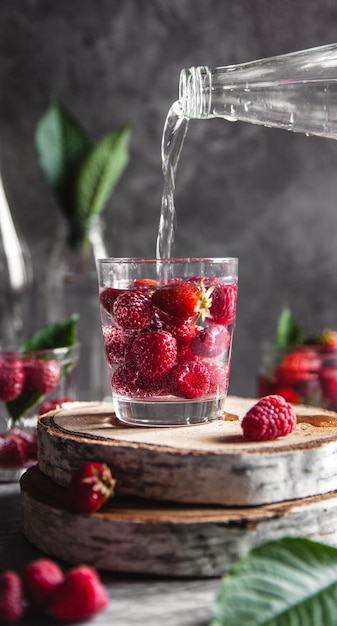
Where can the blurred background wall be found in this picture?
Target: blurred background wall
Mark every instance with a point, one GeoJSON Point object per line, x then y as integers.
{"type": "Point", "coordinates": [266, 196]}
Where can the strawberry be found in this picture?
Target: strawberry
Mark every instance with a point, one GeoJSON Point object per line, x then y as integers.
{"type": "Point", "coordinates": [80, 596]}
{"type": "Point", "coordinates": [288, 393]}
{"type": "Point", "coordinates": [40, 578]}
{"type": "Point", "coordinates": [53, 403]}
{"type": "Point", "coordinates": [223, 306]}
{"type": "Point", "coordinates": [189, 379]}
{"type": "Point", "coordinates": [145, 283]}
{"type": "Point", "coordinates": [302, 364]}
{"type": "Point", "coordinates": [90, 487]}
{"type": "Point", "coordinates": [11, 598]}
{"type": "Point", "coordinates": [182, 299]}
{"type": "Point", "coordinates": [133, 310]}
{"type": "Point", "coordinates": [154, 353]}
{"type": "Point", "coordinates": [210, 341]}
{"type": "Point", "coordinates": [42, 376]}
{"type": "Point", "coordinates": [326, 340]}
{"type": "Point", "coordinates": [11, 379]}
{"type": "Point", "coordinates": [108, 296]}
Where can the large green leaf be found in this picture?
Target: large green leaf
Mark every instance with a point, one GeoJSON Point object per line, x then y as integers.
{"type": "Point", "coordinates": [288, 582]}
{"type": "Point", "coordinates": [100, 172]}
{"type": "Point", "coordinates": [58, 335]}
{"type": "Point", "coordinates": [61, 144]}
{"type": "Point", "coordinates": [288, 332]}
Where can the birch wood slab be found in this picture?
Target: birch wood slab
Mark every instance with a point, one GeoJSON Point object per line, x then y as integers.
{"type": "Point", "coordinates": [205, 464]}
{"type": "Point", "coordinates": [162, 538]}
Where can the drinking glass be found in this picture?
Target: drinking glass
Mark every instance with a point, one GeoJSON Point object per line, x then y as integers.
{"type": "Point", "coordinates": [168, 328]}
{"type": "Point", "coordinates": [31, 383]}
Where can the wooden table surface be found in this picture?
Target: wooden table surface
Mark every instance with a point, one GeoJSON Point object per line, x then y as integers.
{"type": "Point", "coordinates": [134, 600]}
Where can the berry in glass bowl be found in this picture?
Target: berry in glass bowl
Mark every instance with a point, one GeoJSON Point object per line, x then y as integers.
{"type": "Point", "coordinates": [32, 381]}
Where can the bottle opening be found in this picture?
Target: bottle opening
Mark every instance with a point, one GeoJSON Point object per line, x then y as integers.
{"type": "Point", "coordinates": [195, 87]}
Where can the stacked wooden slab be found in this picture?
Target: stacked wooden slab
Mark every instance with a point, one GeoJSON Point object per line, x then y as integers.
{"type": "Point", "coordinates": [190, 500]}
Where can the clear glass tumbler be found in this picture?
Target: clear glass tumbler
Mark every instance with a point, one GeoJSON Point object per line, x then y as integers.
{"type": "Point", "coordinates": [168, 329]}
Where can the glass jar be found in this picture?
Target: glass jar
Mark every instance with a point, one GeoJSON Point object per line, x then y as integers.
{"type": "Point", "coordinates": [303, 374]}
{"type": "Point", "coordinates": [296, 91]}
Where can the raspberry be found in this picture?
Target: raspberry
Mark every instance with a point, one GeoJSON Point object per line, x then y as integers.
{"type": "Point", "coordinates": [42, 376]}
{"type": "Point", "coordinates": [270, 418]}
{"type": "Point", "coordinates": [11, 379]}
{"type": "Point", "coordinates": [40, 578]}
{"type": "Point", "coordinates": [115, 344]}
{"type": "Point", "coordinates": [154, 352]}
{"type": "Point", "coordinates": [108, 296]}
{"type": "Point", "coordinates": [219, 377]}
{"type": "Point", "coordinates": [133, 310]}
{"type": "Point", "coordinates": [223, 307]}
{"type": "Point", "coordinates": [123, 380]}
{"type": "Point", "coordinates": [53, 403]}
{"type": "Point", "coordinates": [80, 596]}
{"type": "Point", "coordinates": [210, 341]}
{"type": "Point", "coordinates": [11, 598]}
{"type": "Point", "coordinates": [189, 379]}
{"type": "Point", "coordinates": [14, 450]}
{"type": "Point", "coordinates": [126, 381]}
{"type": "Point", "coordinates": [182, 329]}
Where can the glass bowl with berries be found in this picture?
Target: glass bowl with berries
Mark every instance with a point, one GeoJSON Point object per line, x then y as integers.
{"type": "Point", "coordinates": [168, 329]}
{"type": "Point", "coordinates": [301, 369]}
{"type": "Point", "coordinates": [34, 378]}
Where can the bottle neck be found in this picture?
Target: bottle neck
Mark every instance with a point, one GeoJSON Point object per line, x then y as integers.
{"type": "Point", "coordinates": [195, 92]}
{"type": "Point", "coordinates": [296, 91]}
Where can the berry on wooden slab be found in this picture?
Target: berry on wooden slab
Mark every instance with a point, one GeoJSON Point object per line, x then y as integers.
{"type": "Point", "coordinates": [270, 418]}
{"type": "Point", "coordinates": [90, 487]}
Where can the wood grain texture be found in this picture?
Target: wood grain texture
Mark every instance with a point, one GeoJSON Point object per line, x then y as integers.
{"type": "Point", "coordinates": [205, 464]}
{"type": "Point", "coordinates": [164, 539]}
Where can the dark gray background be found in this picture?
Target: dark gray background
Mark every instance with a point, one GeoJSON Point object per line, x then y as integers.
{"type": "Point", "coordinates": [266, 196]}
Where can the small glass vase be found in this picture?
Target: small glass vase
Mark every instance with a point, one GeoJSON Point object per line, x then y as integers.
{"type": "Point", "coordinates": [71, 286]}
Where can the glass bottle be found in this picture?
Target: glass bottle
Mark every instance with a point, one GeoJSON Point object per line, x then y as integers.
{"type": "Point", "coordinates": [71, 286]}
{"type": "Point", "coordinates": [16, 281]}
{"type": "Point", "coordinates": [296, 91]}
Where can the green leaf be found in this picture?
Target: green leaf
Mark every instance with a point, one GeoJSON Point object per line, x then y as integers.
{"type": "Point", "coordinates": [100, 172]}
{"type": "Point", "coordinates": [288, 582]}
{"type": "Point", "coordinates": [288, 332]}
{"type": "Point", "coordinates": [23, 403]}
{"type": "Point", "coordinates": [61, 143]}
{"type": "Point", "coordinates": [59, 335]}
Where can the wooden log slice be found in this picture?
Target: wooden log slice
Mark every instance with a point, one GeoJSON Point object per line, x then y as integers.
{"type": "Point", "coordinates": [162, 538]}
{"type": "Point", "coordinates": [206, 464]}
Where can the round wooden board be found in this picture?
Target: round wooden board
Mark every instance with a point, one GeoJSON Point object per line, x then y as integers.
{"type": "Point", "coordinates": [161, 538]}
{"type": "Point", "coordinates": [206, 464]}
